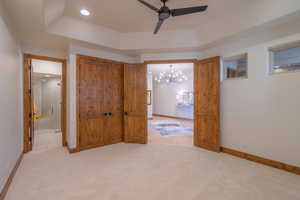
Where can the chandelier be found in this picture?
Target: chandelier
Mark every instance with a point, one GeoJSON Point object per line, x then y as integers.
{"type": "Point", "coordinates": [171, 76]}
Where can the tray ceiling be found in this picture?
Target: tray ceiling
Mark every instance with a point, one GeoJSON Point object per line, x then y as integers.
{"type": "Point", "coordinates": [132, 16]}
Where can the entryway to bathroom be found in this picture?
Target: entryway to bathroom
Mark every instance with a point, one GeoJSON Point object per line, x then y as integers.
{"type": "Point", "coordinates": [44, 93]}
{"type": "Point", "coordinates": [46, 85]}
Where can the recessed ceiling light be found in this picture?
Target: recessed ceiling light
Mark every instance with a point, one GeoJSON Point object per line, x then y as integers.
{"type": "Point", "coordinates": [84, 12]}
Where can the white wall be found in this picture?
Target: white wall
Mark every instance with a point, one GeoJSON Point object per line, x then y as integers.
{"type": "Point", "coordinates": [11, 137]}
{"type": "Point", "coordinates": [71, 101]}
{"type": "Point", "coordinates": [101, 53]}
{"type": "Point", "coordinates": [169, 56]}
{"type": "Point", "coordinates": [260, 115]}
{"type": "Point", "coordinates": [150, 87]}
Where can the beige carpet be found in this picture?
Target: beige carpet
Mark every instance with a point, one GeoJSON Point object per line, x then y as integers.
{"type": "Point", "coordinates": [155, 138]}
{"type": "Point", "coordinates": [148, 172]}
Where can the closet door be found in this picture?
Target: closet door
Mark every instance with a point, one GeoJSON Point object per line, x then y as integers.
{"type": "Point", "coordinates": [114, 103]}
{"type": "Point", "coordinates": [207, 111]}
{"type": "Point", "coordinates": [91, 106]}
{"type": "Point", "coordinates": [135, 103]}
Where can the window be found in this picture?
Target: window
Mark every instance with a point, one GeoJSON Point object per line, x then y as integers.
{"type": "Point", "coordinates": [285, 59]}
{"type": "Point", "coordinates": [235, 67]}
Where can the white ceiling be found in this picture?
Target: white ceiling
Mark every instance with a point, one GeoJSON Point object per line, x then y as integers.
{"type": "Point", "coordinates": [127, 26]}
{"type": "Point", "coordinates": [131, 16]}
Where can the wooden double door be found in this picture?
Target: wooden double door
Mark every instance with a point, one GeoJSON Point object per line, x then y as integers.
{"type": "Point", "coordinates": [100, 102]}
{"type": "Point", "coordinates": [112, 103]}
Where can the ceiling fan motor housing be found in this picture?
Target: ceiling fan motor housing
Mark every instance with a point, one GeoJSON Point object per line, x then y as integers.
{"type": "Point", "coordinates": [164, 13]}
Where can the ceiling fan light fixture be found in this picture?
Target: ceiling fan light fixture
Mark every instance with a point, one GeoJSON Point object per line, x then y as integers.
{"type": "Point", "coordinates": [85, 12]}
{"type": "Point", "coordinates": [165, 12]}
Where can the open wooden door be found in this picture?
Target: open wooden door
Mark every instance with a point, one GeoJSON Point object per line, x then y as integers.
{"type": "Point", "coordinates": [32, 108]}
{"type": "Point", "coordinates": [207, 109]}
{"type": "Point", "coordinates": [135, 103]}
{"type": "Point", "coordinates": [28, 105]}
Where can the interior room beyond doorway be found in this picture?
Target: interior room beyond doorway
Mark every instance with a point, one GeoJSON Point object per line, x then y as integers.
{"type": "Point", "coordinates": [170, 96]}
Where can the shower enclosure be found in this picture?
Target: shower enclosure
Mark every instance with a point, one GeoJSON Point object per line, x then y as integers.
{"type": "Point", "coordinates": [47, 105]}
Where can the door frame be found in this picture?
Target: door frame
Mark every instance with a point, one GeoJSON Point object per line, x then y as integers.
{"type": "Point", "coordinates": [174, 61]}
{"type": "Point", "coordinates": [26, 94]}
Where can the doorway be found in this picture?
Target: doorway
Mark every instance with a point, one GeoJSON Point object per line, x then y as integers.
{"type": "Point", "coordinates": [170, 103]}
{"type": "Point", "coordinates": [44, 103]}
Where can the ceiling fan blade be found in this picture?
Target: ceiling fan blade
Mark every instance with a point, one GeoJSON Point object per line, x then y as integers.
{"type": "Point", "coordinates": [149, 5]}
{"type": "Point", "coordinates": [186, 11]}
{"type": "Point", "coordinates": [158, 25]}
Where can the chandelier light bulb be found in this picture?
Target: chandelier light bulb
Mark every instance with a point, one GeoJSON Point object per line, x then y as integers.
{"type": "Point", "coordinates": [171, 76]}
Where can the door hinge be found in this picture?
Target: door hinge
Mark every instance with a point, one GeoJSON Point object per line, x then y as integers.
{"type": "Point", "coordinates": [30, 139]}
{"type": "Point", "coordinates": [30, 115]}
{"type": "Point", "coordinates": [29, 91]}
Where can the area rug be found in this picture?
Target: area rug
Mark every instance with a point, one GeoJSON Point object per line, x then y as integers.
{"type": "Point", "coordinates": [171, 128]}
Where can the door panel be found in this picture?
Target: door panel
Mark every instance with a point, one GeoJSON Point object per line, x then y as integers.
{"type": "Point", "coordinates": [114, 128]}
{"type": "Point", "coordinates": [100, 103]}
{"type": "Point", "coordinates": [93, 135]}
{"type": "Point", "coordinates": [207, 108]}
{"type": "Point", "coordinates": [91, 106]}
{"type": "Point", "coordinates": [114, 103]}
{"type": "Point", "coordinates": [135, 103]}
{"type": "Point", "coordinates": [32, 115]}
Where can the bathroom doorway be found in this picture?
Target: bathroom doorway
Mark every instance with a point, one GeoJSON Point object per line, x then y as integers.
{"type": "Point", "coordinates": [44, 103]}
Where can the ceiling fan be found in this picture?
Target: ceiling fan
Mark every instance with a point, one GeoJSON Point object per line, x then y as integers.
{"type": "Point", "coordinates": [164, 12]}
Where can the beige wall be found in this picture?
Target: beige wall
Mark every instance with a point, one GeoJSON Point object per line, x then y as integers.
{"type": "Point", "coordinates": [11, 140]}
{"type": "Point", "coordinates": [260, 114]}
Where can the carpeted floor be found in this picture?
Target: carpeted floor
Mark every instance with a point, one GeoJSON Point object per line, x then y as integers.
{"type": "Point", "coordinates": [171, 128]}
{"type": "Point", "coordinates": [148, 172]}
{"type": "Point", "coordinates": [154, 136]}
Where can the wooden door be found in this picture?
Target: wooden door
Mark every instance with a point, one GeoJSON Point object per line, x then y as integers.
{"type": "Point", "coordinates": [32, 112]}
{"type": "Point", "coordinates": [135, 103]}
{"type": "Point", "coordinates": [207, 122]}
{"type": "Point", "coordinates": [90, 106]}
{"type": "Point", "coordinates": [28, 99]}
{"type": "Point", "coordinates": [114, 103]}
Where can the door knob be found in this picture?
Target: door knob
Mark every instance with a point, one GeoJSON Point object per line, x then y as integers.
{"type": "Point", "coordinates": [110, 114]}
{"type": "Point", "coordinates": [105, 114]}
{"type": "Point", "coordinates": [125, 113]}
